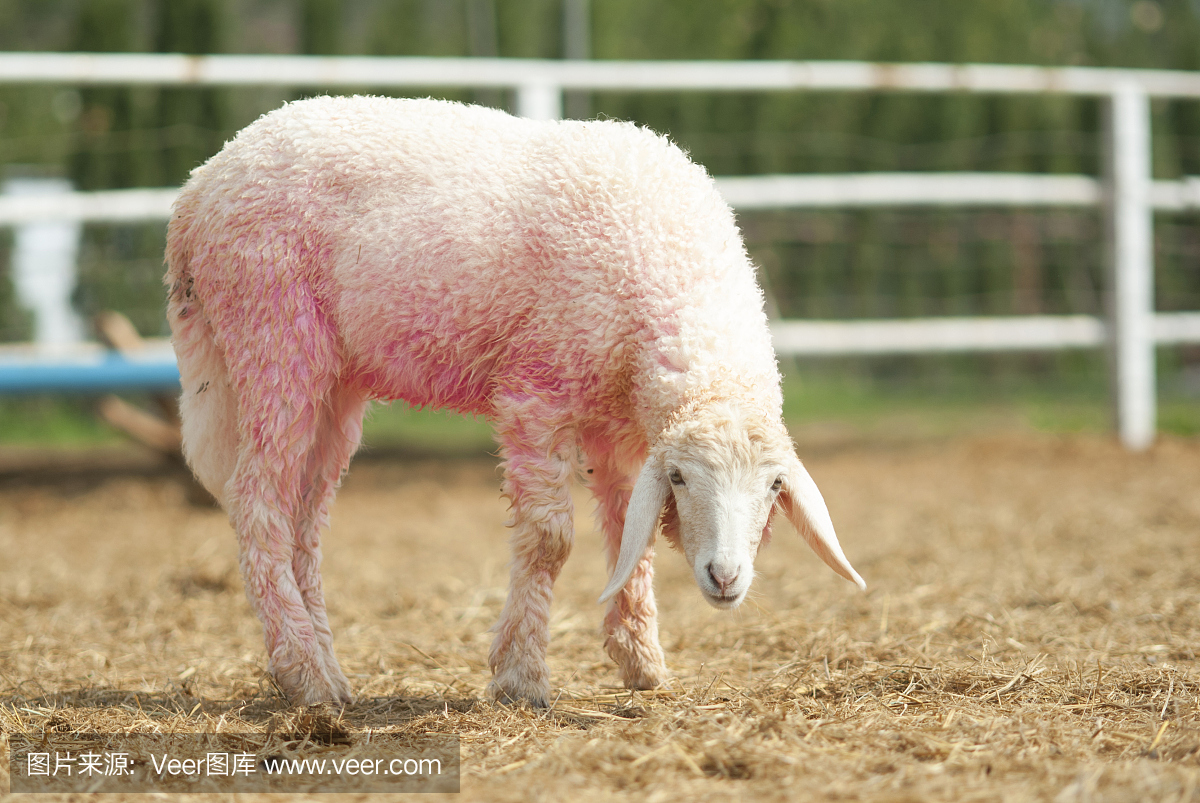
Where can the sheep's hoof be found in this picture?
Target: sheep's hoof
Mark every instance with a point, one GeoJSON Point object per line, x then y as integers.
{"type": "Point", "coordinates": [534, 699]}
{"type": "Point", "coordinates": [316, 696]}
{"type": "Point", "coordinates": [639, 664]}
{"type": "Point", "coordinates": [301, 691]}
{"type": "Point", "coordinates": [341, 688]}
{"type": "Point", "coordinates": [646, 679]}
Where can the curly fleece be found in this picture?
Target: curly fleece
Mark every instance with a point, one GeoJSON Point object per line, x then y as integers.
{"type": "Point", "coordinates": [578, 283]}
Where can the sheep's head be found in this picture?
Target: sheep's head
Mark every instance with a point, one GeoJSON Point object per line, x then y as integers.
{"type": "Point", "coordinates": [715, 479]}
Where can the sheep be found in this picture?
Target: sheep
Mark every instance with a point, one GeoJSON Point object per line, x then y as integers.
{"type": "Point", "coordinates": [580, 284]}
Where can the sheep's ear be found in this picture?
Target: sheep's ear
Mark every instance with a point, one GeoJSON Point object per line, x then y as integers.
{"type": "Point", "coordinates": [805, 509]}
{"type": "Point", "coordinates": [645, 504]}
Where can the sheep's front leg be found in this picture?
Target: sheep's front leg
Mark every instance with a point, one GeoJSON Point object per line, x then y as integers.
{"type": "Point", "coordinates": [631, 620]}
{"type": "Point", "coordinates": [542, 522]}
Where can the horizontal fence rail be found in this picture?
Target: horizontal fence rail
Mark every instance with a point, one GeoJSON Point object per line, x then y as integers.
{"type": "Point", "coordinates": [1129, 196]}
{"type": "Point", "coordinates": [948, 335]}
{"type": "Point", "coordinates": [744, 193]}
{"type": "Point", "coordinates": [108, 206]}
{"type": "Point", "coordinates": [634, 76]}
{"type": "Point", "coordinates": [940, 189]}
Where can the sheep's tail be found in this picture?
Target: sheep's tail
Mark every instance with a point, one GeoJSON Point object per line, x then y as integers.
{"type": "Point", "coordinates": [207, 405]}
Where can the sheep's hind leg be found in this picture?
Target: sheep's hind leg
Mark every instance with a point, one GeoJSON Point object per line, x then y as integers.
{"type": "Point", "coordinates": [537, 482]}
{"type": "Point", "coordinates": [261, 505]}
{"type": "Point", "coordinates": [631, 620]}
{"type": "Point", "coordinates": [337, 439]}
{"type": "Point", "coordinates": [283, 377]}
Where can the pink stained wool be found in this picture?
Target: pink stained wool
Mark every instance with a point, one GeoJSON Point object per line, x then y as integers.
{"type": "Point", "coordinates": [578, 283]}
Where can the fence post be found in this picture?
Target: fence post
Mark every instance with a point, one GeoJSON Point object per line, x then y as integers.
{"type": "Point", "coordinates": [1131, 253]}
{"type": "Point", "coordinates": [44, 257]}
{"type": "Point", "coordinates": [540, 101]}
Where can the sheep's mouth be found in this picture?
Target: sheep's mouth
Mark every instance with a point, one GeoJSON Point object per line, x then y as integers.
{"type": "Point", "coordinates": [723, 601]}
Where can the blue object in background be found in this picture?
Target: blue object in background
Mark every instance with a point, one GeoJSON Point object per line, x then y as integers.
{"type": "Point", "coordinates": [106, 371]}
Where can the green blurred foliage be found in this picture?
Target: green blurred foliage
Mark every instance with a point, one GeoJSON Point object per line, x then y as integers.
{"type": "Point", "coordinates": [136, 288]}
{"type": "Point", "coordinates": [816, 264]}
{"type": "Point", "coordinates": [52, 421]}
{"type": "Point", "coordinates": [16, 322]}
{"type": "Point", "coordinates": [146, 136]}
{"type": "Point", "coordinates": [116, 137]}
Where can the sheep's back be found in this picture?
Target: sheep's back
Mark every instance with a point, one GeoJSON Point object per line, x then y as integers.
{"type": "Point", "coordinates": [460, 252]}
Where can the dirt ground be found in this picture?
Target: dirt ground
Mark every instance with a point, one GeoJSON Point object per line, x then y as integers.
{"type": "Point", "coordinates": [1029, 633]}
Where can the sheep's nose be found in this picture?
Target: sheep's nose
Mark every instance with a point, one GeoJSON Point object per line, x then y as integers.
{"type": "Point", "coordinates": [722, 576]}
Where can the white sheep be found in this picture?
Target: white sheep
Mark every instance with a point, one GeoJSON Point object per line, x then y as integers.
{"type": "Point", "coordinates": [581, 284]}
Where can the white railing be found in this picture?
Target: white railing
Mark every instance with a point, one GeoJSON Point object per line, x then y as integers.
{"type": "Point", "coordinates": [1129, 195]}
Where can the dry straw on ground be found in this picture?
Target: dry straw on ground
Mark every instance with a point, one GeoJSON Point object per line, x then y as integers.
{"type": "Point", "coordinates": [1030, 632]}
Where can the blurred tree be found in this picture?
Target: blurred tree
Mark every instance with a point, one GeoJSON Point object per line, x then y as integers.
{"type": "Point", "coordinates": [141, 136]}
{"type": "Point", "coordinates": [419, 28]}
{"type": "Point", "coordinates": [103, 157]}
{"type": "Point", "coordinates": [16, 322]}
{"type": "Point", "coordinates": [192, 123]}
{"type": "Point", "coordinates": [321, 27]}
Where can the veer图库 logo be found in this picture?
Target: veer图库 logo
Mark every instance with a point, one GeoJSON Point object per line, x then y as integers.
{"type": "Point", "coordinates": [202, 762]}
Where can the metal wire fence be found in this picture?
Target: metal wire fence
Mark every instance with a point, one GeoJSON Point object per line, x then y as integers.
{"type": "Point", "coordinates": [958, 253]}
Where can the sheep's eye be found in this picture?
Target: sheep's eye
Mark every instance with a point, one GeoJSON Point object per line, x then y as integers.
{"type": "Point", "coordinates": [775, 486]}
{"type": "Point", "coordinates": [675, 477]}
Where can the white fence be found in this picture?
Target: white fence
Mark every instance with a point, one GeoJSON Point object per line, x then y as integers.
{"type": "Point", "coordinates": [1129, 195]}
